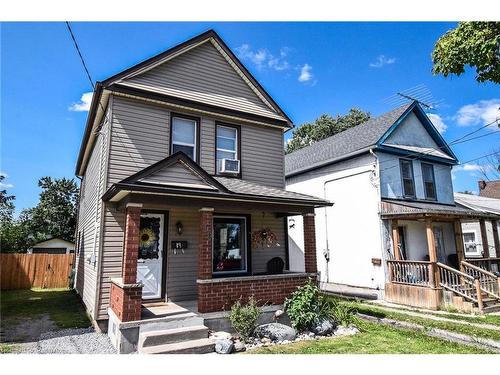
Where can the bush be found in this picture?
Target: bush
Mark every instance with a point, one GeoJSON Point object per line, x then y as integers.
{"type": "Point", "coordinates": [341, 312]}
{"type": "Point", "coordinates": [244, 317]}
{"type": "Point", "coordinates": [304, 306]}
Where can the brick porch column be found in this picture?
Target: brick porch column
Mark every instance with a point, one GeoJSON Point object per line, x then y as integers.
{"type": "Point", "coordinates": [310, 243]}
{"type": "Point", "coordinates": [205, 244]}
{"type": "Point", "coordinates": [126, 293]}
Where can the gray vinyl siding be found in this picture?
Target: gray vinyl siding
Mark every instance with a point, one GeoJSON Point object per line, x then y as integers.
{"type": "Point", "coordinates": [89, 221]}
{"type": "Point", "coordinates": [174, 174]}
{"type": "Point", "coordinates": [140, 137]}
{"type": "Point", "coordinates": [203, 75]}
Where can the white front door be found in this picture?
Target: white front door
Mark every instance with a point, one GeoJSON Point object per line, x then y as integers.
{"type": "Point", "coordinates": [150, 256]}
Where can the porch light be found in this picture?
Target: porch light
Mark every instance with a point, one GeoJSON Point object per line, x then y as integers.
{"type": "Point", "coordinates": [179, 227]}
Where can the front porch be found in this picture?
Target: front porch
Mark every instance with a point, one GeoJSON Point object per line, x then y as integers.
{"type": "Point", "coordinates": [427, 266]}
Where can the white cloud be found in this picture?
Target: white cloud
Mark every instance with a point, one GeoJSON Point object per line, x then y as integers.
{"type": "Point", "coordinates": [480, 113]}
{"type": "Point", "coordinates": [381, 61]}
{"type": "Point", "coordinates": [4, 174]}
{"type": "Point", "coordinates": [467, 167]}
{"type": "Point", "coordinates": [5, 186]}
{"type": "Point", "coordinates": [305, 73]}
{"type": "Point", "coordinates": [438, 122]}
{"type": "Point", "coordinates": [262, 58]}
{"type": "Point", "coordinates": [84, 104]}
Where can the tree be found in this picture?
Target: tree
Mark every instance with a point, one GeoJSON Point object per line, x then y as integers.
{"type": "Point", "coordinates": [323, 127]}
{"type": "Point", "coordinates": [6, 204]}
{"type": "Point", "coordinates": [490, 169]}
{"type": "Point", "coordinates": [476, 44]}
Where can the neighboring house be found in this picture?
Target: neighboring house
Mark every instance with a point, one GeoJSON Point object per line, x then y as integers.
{"type": "Point", "coordinates": [489, 189]}
{"type": "Point", "coordinates": [53, 246]}
{"type": "Point", "coordinates": [481, 240]}
{"type": "Point", "coordinates": [390, 181]}
{"type": "Point", "coordinates": [182, 194]}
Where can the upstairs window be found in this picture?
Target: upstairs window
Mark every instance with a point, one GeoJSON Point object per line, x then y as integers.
{"type": "Point", "coordinates": [407, 179]}
{"type": "Point", "coordinates": [429, 183]}
{"type": "Point", "coordinates": [227, 144]}
{"type": "Point", "coordinates": [184, 135]}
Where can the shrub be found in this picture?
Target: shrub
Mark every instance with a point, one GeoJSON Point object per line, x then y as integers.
{"type": "Point", "coordinates": [244, 317]}
{"type": "Point", "coordinates": [304, 306]}
{"type": "Point", "coordinates": [341, 312]}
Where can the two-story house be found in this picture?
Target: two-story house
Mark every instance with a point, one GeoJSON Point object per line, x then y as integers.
{"type": "Point", "coordinates": [182, 194]}
{"type": "Point", "coordinates": [394, 230]}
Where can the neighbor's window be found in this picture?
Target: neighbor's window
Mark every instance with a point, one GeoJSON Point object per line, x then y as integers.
{"type": "Point", "coordinates": [184, 136]}
{"type": "Point", "coordinates": [229, 245]}
{"type": "Point", "coordinates": [429, 183]}
{"type": "Point", "coordinates": [407, 178]}
{"type": "Point", "coordinates": [470, 242]}
{"type": "Point", "coordinates": [227, 144]}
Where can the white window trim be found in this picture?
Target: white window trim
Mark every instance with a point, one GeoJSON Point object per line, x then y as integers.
{"type": "Point", "coordinates": [478, 250]}
{"type": "Point", "coordinates": [194, 145]}
{"type": "Point", "coordinates": [235, 151]}
{"type": "Point", "coordinates": [245, 238]}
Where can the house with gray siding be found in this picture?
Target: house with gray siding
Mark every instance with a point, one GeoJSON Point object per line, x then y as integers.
{"type": "Point", "coordinates": [183, 208]}
{"type": "Point", "coordinates": [394, 231]}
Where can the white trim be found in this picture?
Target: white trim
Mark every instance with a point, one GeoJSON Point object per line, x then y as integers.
{"type": "Point", "coordinates": [194, 145]}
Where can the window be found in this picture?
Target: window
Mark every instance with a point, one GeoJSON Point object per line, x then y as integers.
{"type": "Point", "coordinates": [229, 245]}
{"type": "Point", "coordinates": [407, 178]}
{"type": "Point", "coordinates": [184, 133]}
{"type": "Point", "coordinates": [429, 183]}
{"type": "Point", "coordinates": [470, 242]}
{"type": "Point", "coordinates": [227, 144]}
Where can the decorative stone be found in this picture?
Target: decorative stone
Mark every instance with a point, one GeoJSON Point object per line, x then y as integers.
{"type": "Point", "coordinates": [221, 335]}
{"type": "Point", "coordinates": [345, 331]}
{"type": "Point", "coordinates": [224, 346]}
{"type": "Point", "coordinates": [239, 346]}
{"type": "Point", "coordinates": [275, 332]}
{"type": "Point", "coordinates": [323, 327]}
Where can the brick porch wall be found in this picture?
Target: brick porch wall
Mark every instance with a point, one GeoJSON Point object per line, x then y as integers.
{"type": "Point", "coordinates": [310, 243]}
{"type": "Point", "coordinates": [220, 294]}
{"type": "Point", "coordinates": [126, 302]}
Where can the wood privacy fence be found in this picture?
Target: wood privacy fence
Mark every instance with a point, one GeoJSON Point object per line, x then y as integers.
{"type": "Point", "coordinates": [24, 271]}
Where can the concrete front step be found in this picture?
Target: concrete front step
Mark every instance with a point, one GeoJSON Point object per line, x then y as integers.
{"type": "Point", "coordinates": [171, 336]}
{"type": "Point", "coordinates": [198, 346]}
{"type": "Point", "coordinates": [172, 321]}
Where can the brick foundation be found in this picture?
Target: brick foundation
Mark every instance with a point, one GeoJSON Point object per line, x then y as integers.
{"type": "Point", "coordinates": [310, 244]}
{"type": "Point", "coordinates": [126, 301]}
{"type": "Point", "coordinates": [220, 294]}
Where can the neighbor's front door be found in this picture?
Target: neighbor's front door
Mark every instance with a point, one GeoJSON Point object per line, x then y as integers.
{"type": "Point", "coordinates": [150, 256]}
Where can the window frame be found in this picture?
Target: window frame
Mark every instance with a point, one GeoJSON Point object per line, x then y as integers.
{"type": "Point", "coordinates": [197, 121]}
{"type": "Point", "coordinates": [238, 148]}
{"type": "Point", "coordinates": [403, 193]}
{"type": "Point", "coordinates": [422, 165]}
{"type": "Point", "coordinates": [477, 252]}
{"type": "Point", "coordinates": [248, 249]}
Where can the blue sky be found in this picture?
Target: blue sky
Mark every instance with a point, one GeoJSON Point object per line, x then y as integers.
{"type": "Point", "coordinates": [309, 69]}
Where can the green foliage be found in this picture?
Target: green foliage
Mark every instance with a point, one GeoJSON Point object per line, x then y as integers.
{"type": "Point", "coordinates": [244, 317]}
{"type": "Point", "coordinates": [476, 44]}
{"type": "Point", "coordinates": [323, 127]}
{"type": "Point", "coordinates": [305, 306]}
{"type": "Point", "coordinates": [341, 312]}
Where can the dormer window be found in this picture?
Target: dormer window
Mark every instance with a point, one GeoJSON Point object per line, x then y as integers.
{"type": "Point", "coordinates": [184, 135]}
{"type": "Point", "coordinates": [429, 182]}
{"type": "Point", "coordinates": [227, 149]}
{"type": "Point", "coordinates": [407, 179]}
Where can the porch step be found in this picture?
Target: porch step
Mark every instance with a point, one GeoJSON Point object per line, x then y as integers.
{"type": "Point", "coordinates": [181, 320]}
{"type": "Point", "coordinates": [198, 346]}
{"type": "Point", "coordinates": [171, 336]}
{"type": "Point", "coordinates": [491, 308]}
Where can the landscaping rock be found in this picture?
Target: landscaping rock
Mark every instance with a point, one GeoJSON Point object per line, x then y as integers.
{"type": "Point", "coordinates": [239, 346]}
{"type": "Point", "coordinates": [323, 327]}
{"type": "Point", "coordinates": [221, 335]}
{"type": "Point", "coordinates": [275, 332]}
{"type": "Point", "coordinates": [345, 331]}
{"type": "Point", "coordinates": [224, 346]}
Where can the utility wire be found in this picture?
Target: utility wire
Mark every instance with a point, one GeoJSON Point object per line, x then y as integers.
{"type": "Point", "coordinates": [80, 54]}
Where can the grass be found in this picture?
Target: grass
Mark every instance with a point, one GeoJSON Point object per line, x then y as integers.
{"type": "Point", "coordinates": [430, 323]}
{"type": "Point", "coordinates": [62, 305]}
{"type": "Point", "coordinates": [8, 348]}
{"type": "Point", "coordinates": [374, 339]}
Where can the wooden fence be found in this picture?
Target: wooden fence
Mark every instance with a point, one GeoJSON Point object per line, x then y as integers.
{"type": "Point", "coordinates": [24, 271]}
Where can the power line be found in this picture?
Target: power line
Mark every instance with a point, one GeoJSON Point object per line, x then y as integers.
{"type": "Point", "coordinates": [477, 130]}
{"type": "Point", "coordinates": [80, 54]}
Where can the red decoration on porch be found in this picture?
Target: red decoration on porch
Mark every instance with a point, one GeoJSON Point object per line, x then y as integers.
{"type": "Point", "coordinates": [264, 236]}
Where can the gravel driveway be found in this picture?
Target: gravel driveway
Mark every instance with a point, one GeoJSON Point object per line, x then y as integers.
{"type": "Point", "coordinates": [71, 341]}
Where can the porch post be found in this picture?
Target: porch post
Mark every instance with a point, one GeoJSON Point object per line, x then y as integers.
{"type": "Point", "coordinates": [484, 238]}
{"type": "Point", "coordinates": [205, 244]}
{"type": "Point", "coordinates": [431, 246]}
{"type": "Point", "coordinates": [395, 239]}
{"type": "Point", "coordinates": [496, 239]}
{"type": "Point", "coordinates": [459, 242]}
{"type": "Point", "coordinates": [126, 292]}
{"type": "Point", "coordinates": [310, 243]}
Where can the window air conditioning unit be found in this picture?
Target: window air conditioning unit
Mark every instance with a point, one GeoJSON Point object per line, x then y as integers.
{"type": "Point", "coordinates": [470, 247]}
{"type": "Point", "coordinates": [229, 166]}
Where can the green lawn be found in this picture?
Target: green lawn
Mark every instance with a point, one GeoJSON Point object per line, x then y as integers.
{"type": "Point", "coordinates": [374, 339]}
{"type": "Point", "coordinates": [62, 305]}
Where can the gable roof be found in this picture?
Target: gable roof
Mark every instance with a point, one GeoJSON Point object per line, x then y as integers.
{"type": "Point", "coordinates": [359, 139]}
{"type": "Point", "coordinates": [122, 83]}
{"type": "Point", "coordinates": [220, 187]}
{"type": "Point", "coordinates": [478, 203]}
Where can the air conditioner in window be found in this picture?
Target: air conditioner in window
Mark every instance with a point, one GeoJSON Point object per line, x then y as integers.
{"type": "Point", "coordinates": [229, 166]}
{"type": "Point", "coordinates": [470, 247]}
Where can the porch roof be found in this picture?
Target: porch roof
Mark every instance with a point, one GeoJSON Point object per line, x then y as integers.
{"type": "Point", "coordinates": [154, 180]}
{"type": "Point", "coordinates": [393, 208]}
